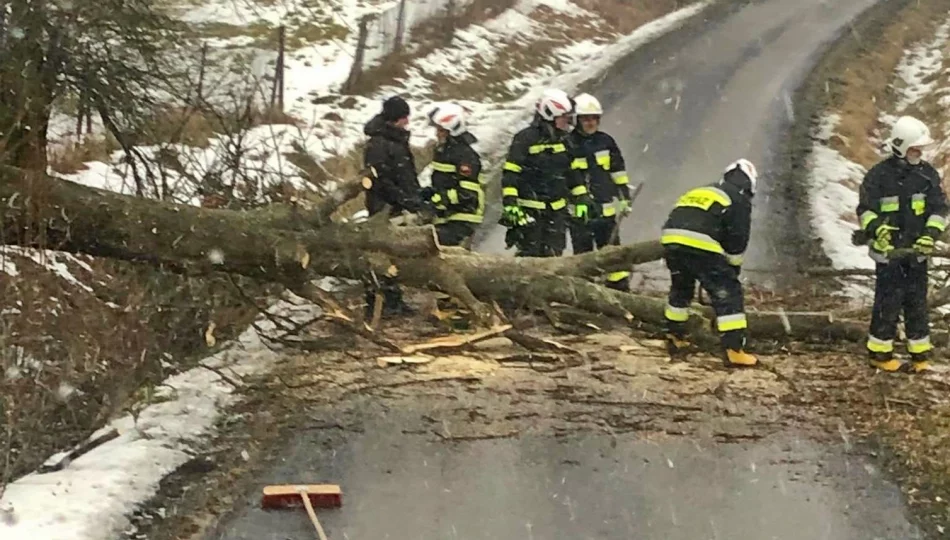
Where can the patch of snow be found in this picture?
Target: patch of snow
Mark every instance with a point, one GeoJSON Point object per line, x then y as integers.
{"type": "Point", "coordinates": [918, 68]}
{"type": "Point", "coordinates": [91, 498]}
{"type": "Point", "coordinates": [54, 261]}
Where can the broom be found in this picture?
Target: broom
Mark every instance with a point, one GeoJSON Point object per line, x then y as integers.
{"type": "Point", "coordinates": [322, 495]}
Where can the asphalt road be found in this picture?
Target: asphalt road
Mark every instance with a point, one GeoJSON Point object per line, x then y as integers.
{"type": "Point", "coordinates": [589, 486]}
{"type": "Point", "coordinates": [689, 104]}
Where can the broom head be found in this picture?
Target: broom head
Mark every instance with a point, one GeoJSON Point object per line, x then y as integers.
{"type": "Point", "coordinates": [320, 495]}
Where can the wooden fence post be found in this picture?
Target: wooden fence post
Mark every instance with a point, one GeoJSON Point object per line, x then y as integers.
{"type": "Point", "coordinates": [277, 91]}
{"type": "Point", "coordinates": [201, 74]}
{"type": "Point", "coordinates": [400, 27]}
{"type": "Point", "coordinates": [356, 70]}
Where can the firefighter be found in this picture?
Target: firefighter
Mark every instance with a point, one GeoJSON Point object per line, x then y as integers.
{"type": "Point", "coordinates": [902, 206]}
{"type": "Point", "coordinates": [393, 183]}
{"type": "Point", "coordinates": [538, 179]}
{"type": "Point", "coordinates": [456, 193]}
{"type": "Point", "coordinates": [704, 239]}
{"type": "Point", "coordinates": [608, 184]}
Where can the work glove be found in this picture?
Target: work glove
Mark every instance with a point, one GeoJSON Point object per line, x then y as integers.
{"type": "Point", "coordinates": [882, 238]}
{"type": "Point", "coordinates": [514, 216]}
{"type": "Point", "coordinates": [924, 245]}
{"type": "Point", "coordinates": [581, 211]}
{"type": "Point", "coordinates": [624, 206]}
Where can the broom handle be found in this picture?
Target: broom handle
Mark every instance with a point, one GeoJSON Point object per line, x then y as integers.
{"type": "Point", "coordinates": [313, 516]}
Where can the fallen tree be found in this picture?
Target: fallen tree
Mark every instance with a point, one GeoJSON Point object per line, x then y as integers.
{"type": "Point", "coordinates": [291, 246]}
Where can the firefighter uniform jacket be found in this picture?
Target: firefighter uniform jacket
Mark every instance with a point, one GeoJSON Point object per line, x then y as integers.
{"type": "Point", "coordinates": [905, 196]}
{"type": "Point", "coordinates": [456, 180]}
{"type": "Point", "coordinates": [539, 173]}
{"type": "Point", "coordinates": [716, 218]}
{"type": "Point", "coordinates": [599, 158]}
{"type": "Point", "coordinates": [388, 152]}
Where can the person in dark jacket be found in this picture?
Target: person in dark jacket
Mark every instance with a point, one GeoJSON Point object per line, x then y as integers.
{"type": "Point", "coordinates": [538, 178]}
{"type": "Point", "coordinates": [902, 207]}
{"type": "Point", "coordinates": [607, 181]}
{"type": "Point", "coordinates": [393, 183]}
{"type": "Point", "coordinates": [456, 193]}
{"type": "Point", "coordinates": [704, 240]}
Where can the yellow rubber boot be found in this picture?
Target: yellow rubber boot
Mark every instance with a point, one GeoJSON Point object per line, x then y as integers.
{"type": "Point", "coordinates": [885, 363]}
{"type": "Point", "coordinates": [676, 345]}
{"type": "Point", "coordinates": [740, 359]}
{"type": "Point", "coordinates": [918, 363]}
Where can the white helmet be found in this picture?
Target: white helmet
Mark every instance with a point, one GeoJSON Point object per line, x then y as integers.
{"type": "Point", "coordinates": [748, 168]}
{"type": "Point", "coordinates": [587, 105]}
{"type": "Point", "coordinates": [554, 103]}
{"type": "Point", "coordinates": [450, 117]}
{"type": "Point", "coordinates": [907, 133]}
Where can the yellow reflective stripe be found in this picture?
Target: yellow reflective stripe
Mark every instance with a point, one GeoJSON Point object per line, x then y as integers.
{"type": "Point", "coordinates": [691, 239]}
{"type": "Point", "coordinates": [937, 222]}
{"type": "Point", "coordinates": [555, 148]}
{"type": "Point", "coordinates": [443, 167]}
{"type": "Point", "coordinates": [704, 198]}
{"type": "Point", "coordinates": [579, 190]}
{"type": "Point", "coordinates": [917, 346]}
{"type": "Point", "coordinates": [729, 323]}
{"type": "Point", "coordinates": [558, 204]}
{"type": "Point", "coordinates": [608, 211]}
{"type": "Point", "coordinates": [620, 178]}
{"type": "Point", "coordinates": [880, 345]}
{"type": "Point", "coordinates": [436, 198]}
{"type": "Point", "coordinates": [618, 276]}
{"type": "Point", "coordinates": [512, 167]}
{"type": "Point", "coordinates": [867, 218]}
{"type": "Point", "coordinates": [453, 196]}
{"type": "Point", "coordinates": [579, 164]}
{"type": "Point", "coordinates": [735, 259]}
{"type": "Point", "coordinates": [676, 314]}
{"type": "Point", "coordinates": [509, 191]}
{"type": "Point", "coordinates": [918, 203]}
{"type": "Point", "coordinates": [603, 158]}
{"type": "Point", "coordinates": [474, 186]}
{"type": "Point", "coordinates": [469, 218]}
{"type": "Point", "coordinates": [890, 204]}
{"type": "Point", "coordinates": [538, 205]}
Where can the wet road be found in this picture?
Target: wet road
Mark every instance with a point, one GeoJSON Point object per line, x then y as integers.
{"type": "Point", "coordinates": [585, 487]}
{"type": "Point", "coordinates": [687, 105]}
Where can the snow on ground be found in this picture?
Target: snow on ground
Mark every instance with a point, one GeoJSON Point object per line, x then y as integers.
{"type": "Point", "coordinates": [92, 496]}
{"type": "Point", "coordinates": [90, 499]}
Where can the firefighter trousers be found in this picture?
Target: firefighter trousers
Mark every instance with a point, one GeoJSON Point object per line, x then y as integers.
{"type": "Point", "coordinates": [595, 234]}
{"type": "Point", "coordinates": [454, 233]}
{"type": "Point", "coordinates": [901, 287]}
{"type": "Point", "coordinates": [721, 283]}
{"type": "Point", "coordinates": [546, 236]}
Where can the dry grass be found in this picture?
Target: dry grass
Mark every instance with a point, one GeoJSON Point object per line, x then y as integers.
{"type": "Point", "coordinates": [857, 95]}
{"type": "Point", "coordinates": [72, 158]}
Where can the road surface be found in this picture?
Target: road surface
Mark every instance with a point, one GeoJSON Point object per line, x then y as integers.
{"type": "Point", "coordinates": [687, 105]}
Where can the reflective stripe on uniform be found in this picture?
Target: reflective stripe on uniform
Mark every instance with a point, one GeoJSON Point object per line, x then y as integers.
{"type": "Point", "coordinates": [512, 167]}
{"type": "Point", "coordinates": [880, 345]}
{"type": "Point", "coordinates": [692, 239]}
{"type": "Point", "coordinates": [579, 164]}
{"type": "Point", "coordinates": [555, 148]}
{"type": "Point", "coordinates": [866, 218]}
{"type": "Point", "coordinates": [917, 346]}
{"type": "Point", "coordinates": [620, 178]}
{"type": "Point", "coordinates": [603, 158]}
{"type": "Point", "coordinates": [918, 203]}
{"type": "Point", "coordinates": [443, 167]}
{"type": "Point", "coordinates": [735, 259]}
{"type": "Point", "coordinates": [436, 198]}
{"type": "Point", "coordinates": [704, 198]}
{"type": "Point", "coordinates": [729, 323]}
{"type": "Point", "coordinates": [676, 314]}
{"type": "Point", "coordinates": [469, 218]}
{"type": "Point", "coordinates": [618, 276]}
{"type": "Point", "coordinates": [509, 191]}
{"type": "Point", "coordinates": [540, 205]}
{"type": "Point", "coordinates": [472, 186]}
{"type": "Point", "coordinates": [890, 204]}
{"type": "Point", "coordinates": [937, 222]}
{"type": "Point", "coordinates": [611, 208]}
{"type": "Point", "coordinates": [453, 196]}
{"type": "Point", "coordinates": [579, 190]}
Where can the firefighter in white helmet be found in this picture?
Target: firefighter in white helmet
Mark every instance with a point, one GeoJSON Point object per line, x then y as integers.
{"type": "Point", "coordinates": [538, 180]}
{"type": "Point", "coordinates": [902, 207]}
{"type": "Point", "coordinates": [456, 192]}
{"type": "Point", "coordinates": [603, 164]}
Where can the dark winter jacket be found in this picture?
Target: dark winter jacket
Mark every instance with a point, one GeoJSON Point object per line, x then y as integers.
{"type": "Point", "coordinates": [905, 196]}
{"type": "Point", "coordinates": [388, 152]}
{"type": "Point", "coordinates": [456, 181]}
{"type": "Point", "coordinates": [715, 218]}
{"type": "Point", "coordinates": [539, 172]}
{"type": "Point", "coordinates": [600, 159]}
